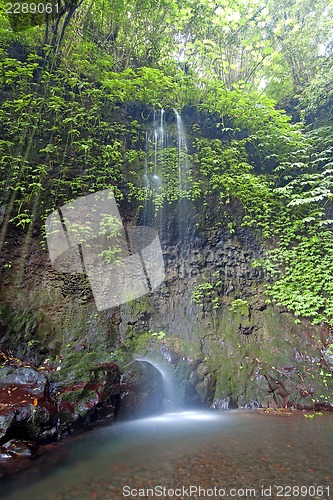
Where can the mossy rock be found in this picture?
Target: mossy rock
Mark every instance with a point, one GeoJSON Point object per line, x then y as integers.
{"type": "Point", "coordinates": [78, 366]}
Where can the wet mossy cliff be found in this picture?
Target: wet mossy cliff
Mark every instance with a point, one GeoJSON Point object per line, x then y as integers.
{"type": "Point", "coordinates": [209, 321]}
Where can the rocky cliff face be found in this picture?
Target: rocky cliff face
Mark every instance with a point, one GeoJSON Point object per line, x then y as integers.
{"type": "Point", "coordinates": [227, 345]}
{"type": "Point", "coordinates": [209, 319]}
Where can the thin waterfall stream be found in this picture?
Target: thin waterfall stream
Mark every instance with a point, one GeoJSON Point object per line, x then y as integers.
{"type": "Point", "coordinates": [172, 393]}
{"type": "Point", "coordinates": [159, 143]}
{"type": "Point", "coordinates": [183, 164]}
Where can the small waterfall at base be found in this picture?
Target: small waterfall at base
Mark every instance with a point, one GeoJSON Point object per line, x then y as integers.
{"type": "Point", "coordinates": [172, 397]}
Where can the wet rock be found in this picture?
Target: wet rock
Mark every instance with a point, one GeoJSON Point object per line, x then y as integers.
{"type": "Point", "coordinates": [87, 394]}
{"type": "Point", "coordinates": [221, 404]}
{"type": "Point", "coordinates": [24, 377]}
{"type": "Point", "coordinates": [169, 355]}
{"type": "Point", "coordinates": [206, 388]}
{"type": "Point", "coordinates": [253, 404]}
{"type": "Point", "coordinates": [16, 448]}
{"type": "Point", "coordinates": [143, 390]}
{"type": "Point", "coordinates": [38, 408]}
{"type": "Point", "coordinates": [227, 403]}
{"type": "Point", "coordinates": [83, 405]}
{"type": "Point", "coordinates": [202, 370]}
{"type": "Point", "coordinates": [26, 410]}
{"type": "Point", "coordinates": [44, 457]}
{"type": "Point", "coordinates": [6, 419]}
{"type": "Point", "coordinates": [34, 423]}
{"type": "Point", "coordinates": [193, 378]}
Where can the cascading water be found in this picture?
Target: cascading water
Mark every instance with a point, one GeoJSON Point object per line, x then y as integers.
{"type": "Point", "coordinates": [183, 182]}
{"type": "Point", "coordinates": [167, 174]}
{"type": "Point", "coordinates": [172, 397]}
{"type": "Point", "coordinates": [158, 143]}
{"type": "Point", "coordinates": [182, 154]}
{"type": "Point", "coordinates": [146, 186]}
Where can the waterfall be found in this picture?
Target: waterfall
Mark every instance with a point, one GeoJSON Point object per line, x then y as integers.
{"type": "Point", "coordinates": [163, 136]}
{"type": "Point", "coordinates": [172, 397]}
{"type": "Point", "coordinates": [183, 171]}
{"type": "Point", "coordinates": [152, 181]}
{"type": "Point", "coordinates": [146, 185]}
{"type": "Point", "coordinates": [182, 154]}
{"type": "Point", "coordinates": [159, 144]}
{"type": "Point", "coordinates": [162, 129]}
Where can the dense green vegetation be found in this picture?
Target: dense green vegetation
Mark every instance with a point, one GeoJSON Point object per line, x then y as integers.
{"type": "Point", "coordinates": [69, 89]}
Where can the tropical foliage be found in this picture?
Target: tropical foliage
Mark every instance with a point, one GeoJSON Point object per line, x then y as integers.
{"type": "Point", "coordinates": [70, 84]}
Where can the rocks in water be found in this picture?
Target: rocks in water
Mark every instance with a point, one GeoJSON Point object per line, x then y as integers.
{"type": "Point", "coordinates": [38, 407]}
{"type": "Point", "coordinates": [253, 404]}
{"type": "Point", "coordinates": [86, 391]}
{"type": "Point", "coordinates": [26, 410]}
{"type": "Point", "coordinates": [221, 404]}
{"type": "Point", "coordinates": [17, 448]}
{"type": "Point", "coordinates": [143, 390]}
{"type": "Point", "coordinates": [224, 404]}
{"type": "Point", "coordinates": [17, 456]}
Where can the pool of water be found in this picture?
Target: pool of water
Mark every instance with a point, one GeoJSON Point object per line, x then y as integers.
{"type": "Point", "coordinates": [235, 454]}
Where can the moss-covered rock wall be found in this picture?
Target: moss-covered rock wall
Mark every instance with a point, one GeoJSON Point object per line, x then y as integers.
{"type": "Point", "coordinates": [209, 319]}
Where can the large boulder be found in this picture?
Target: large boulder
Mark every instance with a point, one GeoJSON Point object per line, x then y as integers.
{"type": "Point", "coordinates": [143, 390]}
{"type": "Point", "coordinates": [26, 409]}
{"type": "Point", "coordinates": [38, 406]}
{"type": "Point", "coordinates": [86, 391]}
